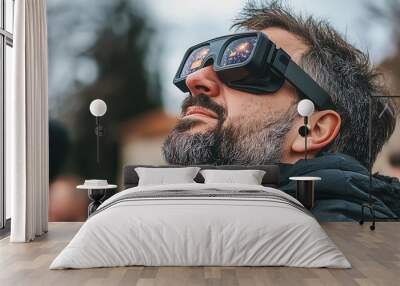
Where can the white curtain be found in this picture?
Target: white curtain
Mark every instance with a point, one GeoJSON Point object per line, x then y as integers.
{"type": "Point", "coordinates": [27, 124]}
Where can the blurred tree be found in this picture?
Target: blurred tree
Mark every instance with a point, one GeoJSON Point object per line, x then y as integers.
{"type": "Point", "coordinates": [389, 14]}
{"type": "Point", "coordinates": [122, 79]}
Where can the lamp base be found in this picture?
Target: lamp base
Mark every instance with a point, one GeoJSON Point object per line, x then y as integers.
{"type": "Point", "coordinates": [370, 206]}
{"type": "Point", "coordinates": [305, 193]}
{"type": "Point", "coordinates": [96, 197]}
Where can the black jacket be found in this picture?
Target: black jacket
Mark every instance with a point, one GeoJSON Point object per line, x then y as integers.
{"type": "Point", "coordinates": [344, 188]}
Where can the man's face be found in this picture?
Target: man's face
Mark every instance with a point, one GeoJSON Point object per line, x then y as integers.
{"type": "Point", "coordinates": [222, 125]}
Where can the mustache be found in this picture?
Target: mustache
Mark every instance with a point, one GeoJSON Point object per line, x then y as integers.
{"type": "Point", "coordinates": [203, 101]}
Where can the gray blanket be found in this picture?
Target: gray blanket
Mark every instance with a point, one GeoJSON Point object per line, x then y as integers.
{"type": "Point", "coordinates": [206, 194]}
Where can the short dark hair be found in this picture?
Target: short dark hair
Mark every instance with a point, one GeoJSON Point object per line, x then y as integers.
{"type": "Point", "coordinates": [342, 70]}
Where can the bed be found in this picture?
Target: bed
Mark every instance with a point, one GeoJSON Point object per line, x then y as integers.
{"type": "Point", "coordinates": [201, 224]}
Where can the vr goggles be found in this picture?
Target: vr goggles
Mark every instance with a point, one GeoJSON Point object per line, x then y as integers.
{"type": "Point", "coordinates": [250, 62]}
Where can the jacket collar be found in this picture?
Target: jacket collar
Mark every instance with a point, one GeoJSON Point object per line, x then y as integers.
{"type": "Point", "coordinates": [324, 160]}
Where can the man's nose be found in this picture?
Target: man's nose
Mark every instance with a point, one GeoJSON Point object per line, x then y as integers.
{"type": "Point", "coordinates": [204, 81]}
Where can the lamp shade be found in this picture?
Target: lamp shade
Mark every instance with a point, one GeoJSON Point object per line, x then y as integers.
{"type": "Point", "coordinates": [98, 107]}
{"type": "Point", "coordinates": [305, 107]}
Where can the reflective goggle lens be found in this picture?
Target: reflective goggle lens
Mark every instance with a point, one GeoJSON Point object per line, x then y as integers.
{"type": "Point", "coordinates": [195, 60]}
{"type": "Point", "coordinates": [238, 51]}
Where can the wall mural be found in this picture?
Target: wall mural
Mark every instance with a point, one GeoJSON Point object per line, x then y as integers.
{"type": "Point", "coordinates": [240, 110]}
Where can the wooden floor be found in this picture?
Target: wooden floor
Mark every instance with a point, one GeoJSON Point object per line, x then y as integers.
{"type": "Point", "coordinates": [375, 257]}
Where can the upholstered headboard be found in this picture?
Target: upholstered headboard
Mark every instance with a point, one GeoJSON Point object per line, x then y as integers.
{"type": "Point", "coordinates": [270, 179]}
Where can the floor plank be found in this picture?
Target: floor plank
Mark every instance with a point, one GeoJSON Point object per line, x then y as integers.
{"type": "Point", "coordinates": [375, 257]}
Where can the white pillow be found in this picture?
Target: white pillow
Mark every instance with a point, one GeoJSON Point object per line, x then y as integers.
{"type": "Point", "coordinates": [248, 177]}
{"type": "Point", "coordinates": [162, 176]}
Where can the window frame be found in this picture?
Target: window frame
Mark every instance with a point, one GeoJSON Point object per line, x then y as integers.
{"type": "Point", "coordinates": [6, 39]}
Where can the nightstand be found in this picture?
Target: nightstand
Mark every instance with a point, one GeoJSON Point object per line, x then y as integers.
{"type": "Point", "coordinates": [305, 192]}
{"type": "Point", "coordinates": [97, 194]}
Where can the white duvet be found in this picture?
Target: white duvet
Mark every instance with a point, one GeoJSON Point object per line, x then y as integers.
{"type": "Point", "coordinates": [207, 230]}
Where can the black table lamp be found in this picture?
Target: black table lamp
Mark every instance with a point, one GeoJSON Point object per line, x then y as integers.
{"type": "Point", "coordinates": [305, 185]}
{"type": "Point", "coordinates": [305, 108]}
{"type": "Point", "coordinates": [98, 108]}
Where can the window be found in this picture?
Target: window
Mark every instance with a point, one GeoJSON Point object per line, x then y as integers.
{"type": "Point", "coordinates": [6, 44]}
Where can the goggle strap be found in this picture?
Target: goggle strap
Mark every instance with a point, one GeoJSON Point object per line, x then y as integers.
{"type": "Point", "coordinates": [280, 61]}
{"type": "Point", "coordinates": [283, 64]}
{"type": "Point", "coordinates": [306, 85]}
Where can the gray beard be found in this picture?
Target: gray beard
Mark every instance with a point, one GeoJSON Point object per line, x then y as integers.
{"type": "Point", "coordinates": [249, 143]}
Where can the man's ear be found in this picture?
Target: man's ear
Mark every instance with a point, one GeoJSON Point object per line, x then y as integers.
{"type": "Point", "coordinates": [323, 126]}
